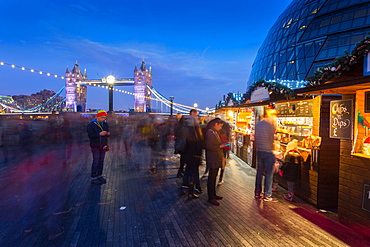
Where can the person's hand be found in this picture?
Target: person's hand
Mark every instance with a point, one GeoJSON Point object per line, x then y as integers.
{"type": "Point", "coordinates": [103, 133]}
{"type": "Point", "coordinates": [108, 133]}
{"type": "Point", "coordinates": [224, 144]}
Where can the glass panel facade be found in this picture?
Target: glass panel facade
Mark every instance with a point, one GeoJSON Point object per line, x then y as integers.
{"type": "Point", "coordinates": [308, 35]}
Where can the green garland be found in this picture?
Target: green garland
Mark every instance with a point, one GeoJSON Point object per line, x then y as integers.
{"type": "Point", "coordinates": [273, 87]}
{"type": "Point", "coordinates": [340, 64]}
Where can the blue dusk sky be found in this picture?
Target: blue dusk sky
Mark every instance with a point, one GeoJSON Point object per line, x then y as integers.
{"type": "Point", "coordinates": [198, 50]}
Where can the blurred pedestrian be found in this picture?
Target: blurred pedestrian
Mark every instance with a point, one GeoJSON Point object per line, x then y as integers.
{"type": "Point", "coordinates": [158, 141]}
{"type": "Point", "coordinates": [98, 132]}
{"type": "Point", "coordinates": [264, 141]}
{"type": "Point", "coordinates": [127, 136]}
{"type": "Point", "coordinates": [192, 156]}
{"type": "Point", "coordinates": [290, 168]}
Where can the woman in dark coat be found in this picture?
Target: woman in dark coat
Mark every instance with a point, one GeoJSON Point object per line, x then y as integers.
{"type": "Point", "coordinates": [214, 157]}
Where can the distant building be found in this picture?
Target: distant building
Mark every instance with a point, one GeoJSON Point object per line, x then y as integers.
{"type": "Point", "coordinates": [142, 77]}
{"type": "Point", "coordinates": [6, 101]}
{"type": "Point", "coordinates": [36, 99]}
{"type": "Point", "coordinates": [307, 35]}
{"type": "Point", "coordinates": [75, 92]}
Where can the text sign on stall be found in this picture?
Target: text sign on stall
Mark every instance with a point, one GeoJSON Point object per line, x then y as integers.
{"type": "Point", "coordinates": [295, 109]}
{"type": "Point", "coordinates": [341, 122]}
{"type": "Point", "coordinates": [260, 94]}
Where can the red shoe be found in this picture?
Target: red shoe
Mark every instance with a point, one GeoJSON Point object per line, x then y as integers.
{"type": "Point", "coordinates": [214, 202]}
{"type": "Point", "coordinates": [218, 197]}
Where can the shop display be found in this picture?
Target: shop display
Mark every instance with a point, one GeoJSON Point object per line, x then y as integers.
{"type": "Point", "coordinates": [245, 122]}
{"type": "Point", "coordinates": [289, 128]}
{"type": "Point", "coordinates": [366, 146]}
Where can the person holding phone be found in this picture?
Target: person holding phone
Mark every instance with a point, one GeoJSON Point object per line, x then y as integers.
{"type": "Point", "coordinates": [214, 157]}
{"type": "Point", "coordinates": [98, 132]}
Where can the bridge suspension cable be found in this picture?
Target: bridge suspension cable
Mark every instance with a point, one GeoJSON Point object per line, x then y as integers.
{"type": "Point", "coordinates": [45, 106]}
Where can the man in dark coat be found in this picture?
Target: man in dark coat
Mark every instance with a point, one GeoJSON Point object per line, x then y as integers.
{"type": "Point", "coordinates": [98, 132]}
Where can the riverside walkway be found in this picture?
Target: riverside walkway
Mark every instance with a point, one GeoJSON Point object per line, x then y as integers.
{"type": "Point", "coordinates": [139, 208]}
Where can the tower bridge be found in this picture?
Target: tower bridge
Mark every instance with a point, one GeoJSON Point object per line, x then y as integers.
{"type": "Point", "coordinates": [76, 83]}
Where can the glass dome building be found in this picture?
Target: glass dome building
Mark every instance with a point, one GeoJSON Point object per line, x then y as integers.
{"type": "Point", "coordinates": [308, 35]}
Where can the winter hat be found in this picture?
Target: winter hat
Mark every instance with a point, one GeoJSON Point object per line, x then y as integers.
{"type": "Point", "coordinates": [100, 113]}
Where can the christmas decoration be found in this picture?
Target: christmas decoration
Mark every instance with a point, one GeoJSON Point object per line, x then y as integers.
{"type": "Point", "coordinates": [272, 87]}
{"type": "Point", "coordinates": [340, 64]}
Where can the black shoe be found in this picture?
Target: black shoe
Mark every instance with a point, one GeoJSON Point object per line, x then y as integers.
{"type": "Point", "coordinates": [193, 196]}
{"type": "Point", "coordinates": [102, 180]}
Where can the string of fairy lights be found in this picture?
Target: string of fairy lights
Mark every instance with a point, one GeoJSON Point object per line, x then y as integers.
{"type": "Point", "coordinates": [157, 94]}
{"type": "Point", "coordinates": [32, 70]}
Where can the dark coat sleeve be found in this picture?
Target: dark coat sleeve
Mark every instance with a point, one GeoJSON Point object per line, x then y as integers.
{"type": "Point", "coordinates": [214, 154]}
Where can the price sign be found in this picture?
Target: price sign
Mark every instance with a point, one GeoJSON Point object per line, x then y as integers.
{"type": "Point", "coordinates": [341, 120]}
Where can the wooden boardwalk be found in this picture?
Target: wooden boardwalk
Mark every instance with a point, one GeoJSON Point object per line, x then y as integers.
{"type": "Point", "coordinates": [139, 208]}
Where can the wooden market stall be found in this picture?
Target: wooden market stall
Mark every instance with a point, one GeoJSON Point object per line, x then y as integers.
{"type": "Point", "coordinates": [350, 124]}
{"type": "Point", "coordinates": [306, 121]}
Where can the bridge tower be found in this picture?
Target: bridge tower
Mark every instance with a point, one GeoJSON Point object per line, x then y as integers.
{"type": "Point", "coordinates": [75, 92]}
{"type": "Point", "coordinates": [142, 76]}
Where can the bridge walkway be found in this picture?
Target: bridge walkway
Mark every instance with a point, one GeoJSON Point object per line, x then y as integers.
{"type": "Point", "coordinates": [139, 208]}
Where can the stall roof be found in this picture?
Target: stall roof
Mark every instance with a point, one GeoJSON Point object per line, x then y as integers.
{"type": "Point", "coordinates": [347, 86]}
{"type": "Point", "coordinates": [348, 83]}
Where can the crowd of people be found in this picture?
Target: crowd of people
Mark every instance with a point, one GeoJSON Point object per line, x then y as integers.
{"type": "Point", "coordinates": [42, 151]}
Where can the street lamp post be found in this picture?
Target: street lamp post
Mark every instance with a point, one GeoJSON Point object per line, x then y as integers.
{"type": "Point", "coordinates": [110, 80]}
{"type": "Point", "coordinates": [171, 99]}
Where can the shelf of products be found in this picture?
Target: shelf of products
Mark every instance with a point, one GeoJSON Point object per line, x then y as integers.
{"type": "Point", "coordinates": [289, 128]}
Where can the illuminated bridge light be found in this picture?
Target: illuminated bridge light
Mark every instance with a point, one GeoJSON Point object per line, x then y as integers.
{"type": "Point", "coordinates": [1, 63]}
{"type": "Point", "coordinates": [13, 66]}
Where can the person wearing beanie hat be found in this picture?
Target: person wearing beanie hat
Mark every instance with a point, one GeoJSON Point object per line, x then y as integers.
{"type": "Point", "coordinates": [98, 132]}
{"type": "Point", "coordinates": [101, 113]}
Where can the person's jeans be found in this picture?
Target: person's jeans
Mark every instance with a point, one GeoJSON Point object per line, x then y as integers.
{"type": "Point", "coordinates": [265, 166]}
{"type": "Point", "coordinates": [98, 162]}
{"type": "Point", "coordinates": [291, 186]}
